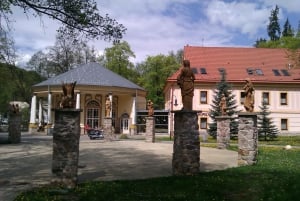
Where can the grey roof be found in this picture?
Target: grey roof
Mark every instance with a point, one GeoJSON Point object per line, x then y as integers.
{"type": "Point", "coordinates": [90, 74]}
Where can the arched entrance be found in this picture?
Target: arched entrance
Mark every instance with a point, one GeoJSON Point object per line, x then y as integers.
{"type": "Point", "coordinates": [93, 114]}
{"type": "Point", "coordinates": [125, 123]}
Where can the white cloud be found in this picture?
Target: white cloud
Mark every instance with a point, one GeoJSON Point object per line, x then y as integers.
{"type": "Point", "coordinates": [247, 18]}
{"type": "Point", "coordinates": [289, 5]}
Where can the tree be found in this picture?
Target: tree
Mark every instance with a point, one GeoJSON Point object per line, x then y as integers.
{"type": "Point", "coordinates": [153, 74]}
{"type": "Point", "coordinates": [266, 128]}
{"type": "Point", "coordinates": [287, 29]}
{"type": "Point", "coordinates": [80, 16]}
{"type": "Point", "coordinates": [117, 59]}
{"type": "Point", "coordinates": [15, 84]}
{"type": "Point", "coordinates": [223, 88]}
{"type": "Point", "coordinates": [274, 27]}
{"type": "Point", "coordinates": [259, 42]}
{"type": "Point", "coordinates": [63, 56]}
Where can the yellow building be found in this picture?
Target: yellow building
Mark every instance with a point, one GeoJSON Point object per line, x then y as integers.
{"type": "Point", "coordinates": [94, 84]}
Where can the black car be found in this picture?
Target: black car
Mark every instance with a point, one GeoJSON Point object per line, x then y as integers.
{"type": "Point", "coordinates": [95, 134]}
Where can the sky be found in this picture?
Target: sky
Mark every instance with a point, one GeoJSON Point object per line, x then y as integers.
{"type": "Point", "coordinates": [159, 26]}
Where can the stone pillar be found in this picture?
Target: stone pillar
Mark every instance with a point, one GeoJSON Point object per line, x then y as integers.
{"type": "Point", "coordinates": [223, 131]}
{"type": "Point", "coordinates": [247, 139]}
{"type": "Point", "coordinates": [186, 148]}
{"type": "Point", "coordinates": [32, 123]}
{"type": "Point", "coordinates": [107, 127]}
{"type": "Point", "coordinates": [66, 136]}
{"type": "Point", "coordinates": [14, 127]}
{"type": "Point", "coordinates": [150, 129]}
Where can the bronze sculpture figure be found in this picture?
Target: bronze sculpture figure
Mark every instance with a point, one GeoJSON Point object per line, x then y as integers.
{"type": "Point", "coordinates": [68, 99]}
{"type": "Point", "coordinates": [249, 96]}
{"type": "Point", "coordinates": [186, 82]}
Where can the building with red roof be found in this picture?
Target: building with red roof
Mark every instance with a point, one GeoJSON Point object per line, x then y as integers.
{"type": "Point", "coordinates": [273, 73]}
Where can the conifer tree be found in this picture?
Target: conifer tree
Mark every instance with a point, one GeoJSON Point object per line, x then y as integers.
{"type": "Point", "coordinates": [274, 27]}
{"type": "Point", "coordinates": [287, 29]}
{"type": "Point", "coordinates": [223, 88]}
{"type": "Point", "coordinates": [266, 128]}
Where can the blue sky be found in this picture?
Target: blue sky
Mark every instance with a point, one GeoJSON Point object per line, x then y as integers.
{"type": "Point", "coordinates": [159, 26]}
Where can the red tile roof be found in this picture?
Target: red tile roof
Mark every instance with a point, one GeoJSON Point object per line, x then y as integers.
{"type": "Point", "coordinates": [236, 61]}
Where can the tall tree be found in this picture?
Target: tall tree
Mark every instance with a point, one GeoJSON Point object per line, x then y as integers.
{"type": "Point", "coordinates": [223, 87]}
{"type": "Point", "coordinates": [287, 29]}
{"type": "Point", "coordinates": [64, 55]}
{"type": "Point", "coordinates": [274, 27]}
{"type": "Point", "coordinates": [117, 58]}
{"type": "Point", "coordinates": [153, 74]}
{"type": "Point", "coordinates": [266, 128]}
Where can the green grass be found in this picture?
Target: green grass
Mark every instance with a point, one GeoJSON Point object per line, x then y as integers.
{"type": "Point", "coordinates": [280, 140]}
{"type": "Point", "coordinates": [276, 176]}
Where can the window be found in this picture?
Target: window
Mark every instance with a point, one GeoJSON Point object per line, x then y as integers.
{"type": "Point", "coordinates": [259, 72]}
{"type": "Point", "coordinates": [284, 124]}
{"type": "Point", "coordinates": [242, 97]}
{"type": "Point", "coordinates": [283, 98]}
{"type": "Point", "coordinates": [285, 72]}
{"type": "Point", "coordinates": [93, 114]}
{"type": "Point", "coordinates": [203, 97]}
{"type": "Point", "coordinates": [203, 71]}
{"type": "Point", "coordinates": [276, 72]}
{"type": "Point", "coordinates": [250, 71]}
{"type": "Point", "coordinates": [265, 98]}
{"type": "Point", "coordinates": [203, 123]}
{"type": "Point", "coordinates": [195, 70]}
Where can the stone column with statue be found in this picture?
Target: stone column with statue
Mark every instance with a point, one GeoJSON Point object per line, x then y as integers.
{"type": "Point", "coordinates": [66, 135]}
{"type": "Point", "coordinates": [150, 123]}
{"type": "Point", "coordinates": [223, 125]}
{"type": "Point", "coordinates": [186, 147]}
{"type": "Point", "coordinates": [248, 133]}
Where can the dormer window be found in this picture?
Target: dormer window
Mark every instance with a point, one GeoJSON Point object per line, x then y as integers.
{"type": "Point", "coordinates": [250, 71]}
{"type": "Point", "coordinates": [276, 72]}
{"type": "Point", "coordinates": [203, 71]}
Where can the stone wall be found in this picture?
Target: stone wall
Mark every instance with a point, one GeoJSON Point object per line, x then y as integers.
{"type": "Point", "coordinates": [66, 134]}
{"type": "Point", "coordinates": [247, 139]}
{"type": "Point", "coordinates": [150, 129]}
{"type": "Point", "coordinates": [223, 131]}
{"type": "Point", "coordinates": [186, 148]}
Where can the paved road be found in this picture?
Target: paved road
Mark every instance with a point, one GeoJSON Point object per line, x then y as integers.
{"type": "Point", "coordinates": [28, 164]}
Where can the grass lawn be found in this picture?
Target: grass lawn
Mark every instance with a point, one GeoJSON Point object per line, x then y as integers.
{"type": "Point", "coordinates": [275, 177]}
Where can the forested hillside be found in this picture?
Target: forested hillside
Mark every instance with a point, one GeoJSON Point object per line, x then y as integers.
{"type": "Point", "coordinates": [15, 85]}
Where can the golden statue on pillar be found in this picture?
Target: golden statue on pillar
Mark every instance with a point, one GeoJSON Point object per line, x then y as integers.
{"type": "Point", "coordinates": [68, 99]}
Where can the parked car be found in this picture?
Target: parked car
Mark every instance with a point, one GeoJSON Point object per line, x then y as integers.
{"type": "Point", "coordinates": [95, 134]}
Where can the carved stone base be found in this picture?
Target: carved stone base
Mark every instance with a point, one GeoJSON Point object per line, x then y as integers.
{"type": "Point", "coordinates": [66, 134]}
{"type": "Point", "coordinates": [223, 131]}
{"type": "Point", "coordinates": [186, 148]}
{"type": "Point", "coordinates": [14, 128]}
{"type": "Point", "coordinates": [247, 139]}
{"type": "Point", "coordinates": [150, 129]}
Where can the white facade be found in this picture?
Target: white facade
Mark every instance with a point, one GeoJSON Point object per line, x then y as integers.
{"type": "Point", "coordinates": [284, 104]}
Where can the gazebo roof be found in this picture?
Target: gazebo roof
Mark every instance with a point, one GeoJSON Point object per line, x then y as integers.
{"type": "Point", "coordinates": [92, 74]}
